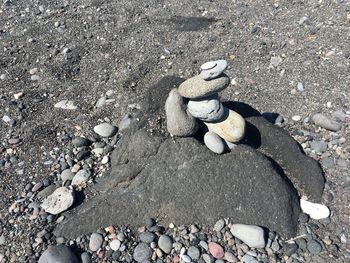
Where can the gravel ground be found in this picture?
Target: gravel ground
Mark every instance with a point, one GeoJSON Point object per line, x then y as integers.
{"type": "Point", "coordinates": [285, 57]}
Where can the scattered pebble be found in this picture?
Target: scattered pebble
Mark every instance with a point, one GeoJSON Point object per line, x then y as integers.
{"type": "Point", "coordinates": [326, 122]}
{"type": "Point", "coordinates": [66, 105]}
{"type": "Point", "coordinates": [60, 200]}
{"type": "Point", "coordinates": [105, 129]}
{"type": "Point", "coordinates": [95, 242]}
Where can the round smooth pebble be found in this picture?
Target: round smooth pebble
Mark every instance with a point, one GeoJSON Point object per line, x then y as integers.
{"type": "Point", "coordinates": [208, 65]}
{"type": "Point", "coordinates": [214, 142]}
{"type": "Point", "coordinates": [314, 247]}
{"type": "Point", "coordinates": [66, 175]}
{"type": "Point", "coordinates": [105, 129]}
{"type": "Point", "coordinates": [207, 109]}
{"type": "Point", "coordinates": [193, 252]}
{"type": "Point", "coordinates": [115, 244]}
{"type": "Point", "coordinates": [81, 141]}
{"type": "Point", "coordinates": [147, 237]}
{"type": "Point", "coordinates": [105, 159]}
{"type": "Point", "coordinates": [251, 235]}
{"type": "Point", "coordinates": [165, 243]}
{"type": "Point", "coordinates": [81, 177]}
{"type": "Point", "coordinates": [58, 254]}
{"type": "Point", "coordinates": [213, 72]}
{"type": "Point", "coordinates": [318, 146]}
{"type": "Point", "coordinates": [60, 200]}
{"type": "Point", "coordinates": [142, 252]}
{"type": "Point", "coordinates": [95, 242]}
{"type": "Point", "coordinates": [216, 250]}
{"type": "Point", "coordinates": [196, 87]}
{"type": "Point", "coordinates": [326, 122]}
{"type": "Point", "coordinates": [186, 259]}
{"type": "Point", "coordinates": [231, 128]}
{"type": "Point", "coordinates": [230, 257]}
{"type": "Point", "coordinates": [219, 225]}
{"type": "Point", "coordinates": [248, 259]}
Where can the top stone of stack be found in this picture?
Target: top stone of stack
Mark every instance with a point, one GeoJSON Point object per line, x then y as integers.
{"type": "Point", "coordinates": [212, 69]}
{"type": "Point", "coordinates": [210, 81]}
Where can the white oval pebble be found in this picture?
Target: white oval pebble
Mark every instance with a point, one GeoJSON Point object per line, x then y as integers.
{"type": "Point", "coordinates": [315, 211]}
{"type": "Point", "coordinates": [214, 142]}
{"type": "Point", "coordinates": [186, 258]}
{"type": "Point", "coordinates": [115, 244]}
{"type": "Point", "coordinates": [105, 159]}
{"type": "Point", "coordinates": [208, 65]}
{"type": "Point", "coordinates": [296, 118]}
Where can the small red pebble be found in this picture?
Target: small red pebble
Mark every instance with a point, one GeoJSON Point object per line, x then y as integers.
{"type": "Point", "coordinates": [216, 250]}
{"type": "Point", "coordinates": [176, 259]}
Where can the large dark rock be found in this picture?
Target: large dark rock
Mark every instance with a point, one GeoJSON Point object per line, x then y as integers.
{"type": "Point", "coordinates": [304, 172]}
{"type": "Point", "coordinates": [181, 181]}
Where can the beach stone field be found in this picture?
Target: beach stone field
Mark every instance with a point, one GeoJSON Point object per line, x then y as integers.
{"type": "Point", "coordinates": [174, 131]}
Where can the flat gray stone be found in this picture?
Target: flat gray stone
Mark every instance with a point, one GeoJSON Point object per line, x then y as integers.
{"type": "Point", "coordinates": [251, 235]}
{"type": "Point", "coordinates": [95, 242]}
{"type": "Point", "coordinates": [58, 254]}
{"type": "Point", "coordinates": [67, 175]}
{"type": "Point", "coordinates": [165, 243]}
{"type": "Point", "coordinates": [196, 87]}
{"type": "Point", "coordinates": [142, 252]}
{"type": "Point", "coordinates": [105, 129]}
{"type": "Point", "coordinates": [81, 177]}
{"type": "Point", "coordinates": [193, 252]}
{"type": "Point", "coordinates": [81, 141]}
{"type": "Point", "coordinates": [318, 146]}
{"type": "Point", "coordinates": [59, 201]}
{"type": "Point", "coordinates": [326, 122]}
{"type": "Point", "coordinates": [209, 71]}
{"type": "Point", "coordinates": [147, 237]}
{"type": "Point", "coordinates": [207, 109]}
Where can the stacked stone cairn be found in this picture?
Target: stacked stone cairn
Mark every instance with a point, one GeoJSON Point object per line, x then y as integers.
{"type": "Point", "coordinates": [197, 100]}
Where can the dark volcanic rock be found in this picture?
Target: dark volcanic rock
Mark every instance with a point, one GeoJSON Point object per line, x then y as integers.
{"type": "Point", "coordinates": [184, 183]}
{"type": "Point", "coordinates": [304, 172]}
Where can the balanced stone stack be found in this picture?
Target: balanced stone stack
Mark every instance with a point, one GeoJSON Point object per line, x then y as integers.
{"type": "Point", "coordinates": [196, 100]}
